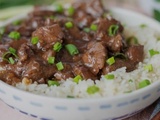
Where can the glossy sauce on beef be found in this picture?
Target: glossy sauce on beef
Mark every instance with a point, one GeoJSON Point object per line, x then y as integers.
{"type": "Point", "coordinates": [90, 33]}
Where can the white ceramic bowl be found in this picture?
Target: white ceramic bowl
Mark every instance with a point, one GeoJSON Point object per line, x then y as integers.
{"type": "Point", "coordinates": [114, 108]}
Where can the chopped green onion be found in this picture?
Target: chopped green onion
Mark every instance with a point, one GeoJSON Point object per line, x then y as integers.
{"type": "Point", "coordinates": [68, 25]}
{"type": "Point", "coordinates": [71, 11]}
{"type": "Point", "coordinates": [92, 89]}
{"type": "Point", "coordinates": [94, 27]}
{"type": "Point", "coordinates": [51, 60]}
{"type": "Point", "coordinates": [59, 8]}
{"type": "Point", "coordinates": [77, 79]}
{"type": "Point", "coordinates": [120, 55]}
{"type": "Point", "coordinates": [14, 35]}
{"type": "Point", "coordinates": [34, 40]}
{"type": "Point", "coordinates": [144, 83]}
{"type": "Point", "coordinates": [2, 30]}
{"type": "Point", "coordinates": [17, 22]}
{"type": "Point", "coordinates": [149, 67]}
{"type": "Point", "coordinates": [130, 80]}
{"type": "Point", "coordinates": [72, 49]}
{"type": "Point", "coordinates": [52, 17]}
{"type": "Point", "coordinates": [57, 46]}
{"type": "Point", "coordinates": [60, 66]}
{"type": "Point", "coordinates": [143, 25]}
{"type": "Point", "coordinates": [12, 50]}
{"type": "Point", "coordinates": [158, 39]}
{"type": "Point", "coordinates": [132, 40]}
{"type": "Point", "coordinates": [153, 52]}
{"type": "Point", "coordinates": [128, 91]}
{"type": "Point", "coordinates": [87, 30]}
{"type": "Point", "coordinates": [70, 96]}
{"type": "Point", "coordinates": [53, 83]}
{"type": "Point", "coordinates": [113, 30]}
{"type": "Point", "coordinates": [109, 76]}
{"type": "Point", "coordinates": [11, 60]}
{"type": "Point", "coordinates": [111, 61]}
{"type": "Point", "coordinates": [156, 14]}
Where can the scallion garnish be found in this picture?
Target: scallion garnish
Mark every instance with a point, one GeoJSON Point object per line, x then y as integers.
{"type": "Point", "coordinates": [153, 52]}
{"type": "Point", "coordinates": [34, 40]}
{"type": "Point", "coordinates": [60, 66]}
{"type": "Point", "coordinates": [11, 60]}
{"type": "Point", "coordinates": [120, 55]}
{"type": "Point", "coordinates": [59, 8]}
{"type": "Point", "coordinates": [77, 79]}
{"type": "Point", "coordinates": [12, 50]}
{"type": "Point", "coordinates": [69, 96]}
{"type": "Point", "coordinates": [52, 17]}
{"type": "Point", "coordinates": [14, 35]}
{"type": "Point", "coordinates": [113, 30]}
{"type": "Point", "coordinates": [109, 76]}
{"type": "Point", "coordinates": [53, 83]}
{"type": "Point", "coordinates": [68, 25]}
{"type": "Point", "coordinates": [110, 61]}
{"type": "Point", "coordinates": [87, 30]}
{"type": "Point", "coordinates": [149, 68]}
{"type": "Point", "coordinates": [132, 40]}
{"type": "Point", "coordinates": [130, 80]}
{"type": "Point", "coordinates": [92, 89]}
{"type": "Point", "coordinates": [57, 46]}
{"type": "Point", "coordinates": [51, 60]}
{"type": "Point", "coordinates": [71, 11]}
{"type": "Point", "coordinates": [72, 49]}
{"type": "Point", "coordinates": [2, 30]}
{"type": "Point", "coordinates": [17, 22]}
{"type": "Point", "coordinates": [143, 25]}
{"type": "Point", "coordinates": [93, 27]}
{"type": "Point", "coordinates": [144, 83]}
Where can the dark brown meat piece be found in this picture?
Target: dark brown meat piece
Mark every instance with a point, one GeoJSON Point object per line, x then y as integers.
{"type": "Point", "coordinates": [130, 66]}
{"type": "Point", "coordinates": [84, 72]}
{"type": "Point", "coordinates": [48, 35]}
{"type": "Point", "coordinates": [95, 56]}
{"type": "Point", "coordinates": [35, 70]}
{"type": "Point", "coordinates": [135, 53]}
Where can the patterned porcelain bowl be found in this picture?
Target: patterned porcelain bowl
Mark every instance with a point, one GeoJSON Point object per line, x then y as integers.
{"type": "Point", "coordinates": [114, 108]}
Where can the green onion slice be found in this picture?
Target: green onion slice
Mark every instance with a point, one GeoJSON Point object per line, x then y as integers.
{"type": "Point", "coordinates": [59, 8]}
{"type": "Point", "coordinates": [17, 22]}
{"type": "Point", "coordinates": [143, 25]}
{"type": "Point", "coordinates": [72, 49]}
{"type": "Point", "coordinates": [53, 83]}
{"type": "Point", "coordinates": [14, 35]}
{"type": "Point", "coordinates": [120, 55]}
{"type": "Point", "coordinates": [153, 52]}
{"type": "Point", "coordinates": [144, 83]}
{"type": "Point", "coordinates": [12, 50]}
{"type": "Point", "coordinates": [69, 96]}
{"type": "Point", "coordinates": [2, 30]}
{"type": "Point", "coordinates": [111, 61]}
{"type": "Point", "coordinates": [109, 76]}
{"type": "Point", "coordinates": [113, 30]}
{"type": "Point", "coordinates": [87, 30]}
{"type": "Point", "coordinates": [34, 40]}
{"type": "Point", "coordinates": [93, 27]}
{"type": "Point", "coordinates": [68, 25]}
{"type": "Point", "coordinates": [92, 89]}
{"type": "Point", "coordinates": [132, 40]}
{"type": "Point", "coordinates": [57, 46]}
{"type": "Point", "coordinates": [60, 66]}
{"type": "Point", "coordinates": [71, 11]}
{"type": "Point", "coordinates": [51, 60]}
{"type": "Point", "coordinates": [77, 79]}
{"type": "Point", "coordinates": [11, 60]}
{"type": "Point", "coordinates": [149, 67]}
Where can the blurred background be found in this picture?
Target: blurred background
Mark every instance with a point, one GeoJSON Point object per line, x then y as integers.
{"type": "Point", "coordinates": [10, 8]}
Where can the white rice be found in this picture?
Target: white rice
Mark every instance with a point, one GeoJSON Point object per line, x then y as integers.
{"type": "Point", "coordinates": [120, 85]}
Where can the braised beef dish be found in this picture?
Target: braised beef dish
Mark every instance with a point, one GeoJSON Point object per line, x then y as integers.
{"type": "Point", "coordinates": [82, 40]}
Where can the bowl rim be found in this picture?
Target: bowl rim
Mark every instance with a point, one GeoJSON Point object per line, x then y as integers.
{"type": "Point", "coordinates": [81, 100]}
